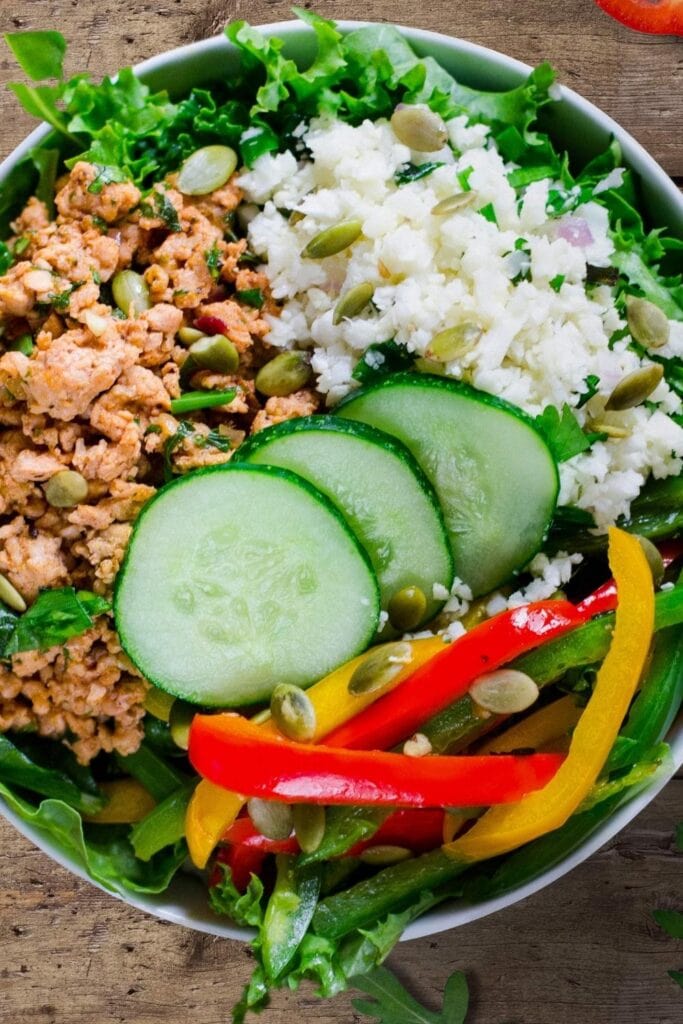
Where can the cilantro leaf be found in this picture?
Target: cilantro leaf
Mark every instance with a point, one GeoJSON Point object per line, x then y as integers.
{"type": "Point", "coordinates": [592, 382]}
{"type": "Point", "coordinates": [391, 1003]}
{"type": "Point", "coordinates": [53, 618]}
{"type": "Point", "coordinates": [562, 433]}
{"type": "Point", "coordinates": [213, 261]}
{"type": "Point", "coordinates": [671, 921]}
{"type": "Point", "coordinates": [39, 54]}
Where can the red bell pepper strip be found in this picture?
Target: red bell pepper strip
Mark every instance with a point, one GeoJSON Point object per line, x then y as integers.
{"type": "Point", "coordinates": [234, 753]}
{"type": "Point", "coordinates": [661, 17]}
{"type": "Point", "coordinates": [604, 599]}
{"type": "Point", "coordinates": [243, 861]}
{"type": "Point", "coordinates": [417, 830]}
{"type": "Point", "coordinates": [450, 674]}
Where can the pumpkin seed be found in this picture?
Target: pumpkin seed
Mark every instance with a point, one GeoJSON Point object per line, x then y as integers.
{"type": "Point", "coordinates": [286, 373]}
{"type": "Point", "coordinates": [451, 204]}
{"type": "Point", "coordinates": [654, 559]}
{"type": "Point", "coordinates": [293, 712]}
{"type": "Point", "coordinates": [158, 703]}
{"type": "Point", "coordinates": [383, 856]}
{"type": "Point", "coordinates": [504, 692]}
{"type": "Point", "coordinates": [333, 240]}
{"type": "Point", "coordinates": [309, 826]}
{"type": "Point", "coordinates": [130, 292]}
{"type": "Point", "coordinates": [610, 429]}
{"type": "Point", "coordinates": [188, 335]}
{"type": "Point", "coordinates": [272, 819]}
{"type": "Point", "coordinates": [179, 722]}
{"type": "Point", "coordinates": [66, 489]}
{"type": "Point", "coordinates": [635, 387]}
{"type": "Point", "coordinates": [353, 302]}
{"type": "Point", "coordinates": [407, 608]}
{"type": "Point", "coordinates": [206, 169]}
{"type": "Point", "coordinates": [646, 322]}
{"type": "Point", "coordinates": [419, 128]}
{"type": "Point", "coordinates": [453, 342]}
{"type": "Point", "coordinates": [216, 353]}
{"type": "Point", "coordinates": [10, 596]}
{"type": "Point", "coordinates": [245, 213]}
{"type": "Point", "coordinates": [381, 666]}
{"type": "Point", "coordinates": [417, 746]}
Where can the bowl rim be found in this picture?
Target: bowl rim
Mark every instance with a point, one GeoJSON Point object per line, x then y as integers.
{"type": "Point", "coordinates": [450, 915]}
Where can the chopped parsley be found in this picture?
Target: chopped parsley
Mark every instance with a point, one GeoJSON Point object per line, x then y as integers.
{"type": "Point", "coordinates": [413, 172]}
{"type": "Point", "coordinates": [488, 213]}
{"type": "Point", "coordinates": [557, 282]}
{"type": "Point", "coordinates": [251, 297]}
{"type": "Point", "coordinates": [464, 178]}
{"type": "Point", "coordinates": [562, 432]}
{"type": "Point", "coordinates": [162, 207]}
{"type": "Point", "coordinates": [213, 261]}
{"type": "Point", "coordinates": [106, 175]}
{"type": "Point", "coordinates": [592, 382]}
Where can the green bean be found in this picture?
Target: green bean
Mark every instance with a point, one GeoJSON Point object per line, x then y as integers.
{"type": "Point", "coordinates": [152, 771]}
{"type": "Point", "coordinates": [288, 914]}
{"type": "Point", "coordinates": [163, 826]}
{"type": "Point", "coordinates": [193, 401]}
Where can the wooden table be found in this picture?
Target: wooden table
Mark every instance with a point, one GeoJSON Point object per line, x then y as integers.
{"type": "Point", "coordinates": [585, 951]}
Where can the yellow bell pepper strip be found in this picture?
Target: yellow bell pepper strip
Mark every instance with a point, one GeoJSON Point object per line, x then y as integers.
{"type": "Point", "coordinates": [503, 829]}
{"type": "Point", "coordinates": [230, 750]}
{"type": "Point", "coordinates": [127, 802]}
{"type": "Point", "coordinates": [542, 727]}
{"type": "Point", "coordinates": [212, 809]}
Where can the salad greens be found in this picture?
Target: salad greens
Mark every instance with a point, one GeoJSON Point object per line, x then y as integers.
{"type": "Point", "coordinates": [312, 925]}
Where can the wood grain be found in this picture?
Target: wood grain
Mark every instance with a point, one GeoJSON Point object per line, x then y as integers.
{"type": "Point", "coordinates": [585, 951]}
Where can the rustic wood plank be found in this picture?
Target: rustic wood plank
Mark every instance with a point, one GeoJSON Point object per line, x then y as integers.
{"type": "Point", "coordinates": [637, 79]}
{"type": "Point", "coordinates": [586, 950]}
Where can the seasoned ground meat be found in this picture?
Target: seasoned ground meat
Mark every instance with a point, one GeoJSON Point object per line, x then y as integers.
{"type": "Point", "coordinates": [94, 396]}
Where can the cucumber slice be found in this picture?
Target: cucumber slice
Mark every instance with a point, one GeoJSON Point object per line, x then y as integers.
{"type": "Point", "coordinates": [379, 489]}
{"type": "Point", "coordinates": [240, 577]}
{"type": "Point", "coordinates": [494, 475]}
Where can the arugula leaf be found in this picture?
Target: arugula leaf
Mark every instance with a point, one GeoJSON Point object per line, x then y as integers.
{"type": "Point", "coordinates": [414, 172]}
{"type": "Point", "coordinates": [18, 769]}
{"type": "Point", "coordinates": [244, 908]}
{"type": "Point", "coordinates": [562, 433]}
{"type": "Point", "coordinates": [671, 921]}
{"type": "Point", "coordinates": [393, 1004]}
{"type": "Point", "coordinates": [39, 54]}
{"type": "Point", "coordinates": [381, 359]}
{"type": "Point", "coordinates": [54, 617]}
{"type": "Point", "coordinates": [103, 851]}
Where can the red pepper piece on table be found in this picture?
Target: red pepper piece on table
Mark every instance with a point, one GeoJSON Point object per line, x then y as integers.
{"type": "Point", "coordinates": [235, 753]}
{"type": "Point", "coordinates": [450, 674]}
{"type": "Point", "coordinates": [661, 17]}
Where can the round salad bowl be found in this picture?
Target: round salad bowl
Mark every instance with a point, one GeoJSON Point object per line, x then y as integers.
{"type": "Point", "coordinates": [584, 131]}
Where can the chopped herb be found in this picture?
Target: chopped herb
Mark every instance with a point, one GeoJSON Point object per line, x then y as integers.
{"type": "Point", "coordinates": [391, 1003]}
{"type": "Point", "coordinates": [250, 258]}
{"type": "Point", "coordinates": [60, 300]}
{"type": "Point", "coordinates": [23, 344]}
{"type": "Point", "coordinates": [99, 222]}
{"type": "Point", "coordinates": [106, 175]}
{"type": "Point", "coordinates": [413, 172]}
{"type": "Point", "coordinates": [592, 382]}
{"type": "Point", "coordinates": [381, 359]}
{"type": "Point", "coordinates": [251, 297]}
{"type": "Point", "coordinates": [562, 433]}
{"type": "Point", "coordinates": [192, 401]}
{"type": "Point", "coordinates": [188, 430]}
{"type": "Point", "coordinates": [162, 207]}
{"type": "Point", "coordinates": [53, 618]}
{"type": "Point", "coordinates": [213, 261]}
{"type": "Point", "coordinates": [464, 178]}
{"type": "Point", "coordinates": [179, 292]}
{"type": "Point", "coordinates": [21, 245]}
{"type": "Point", "coordinates": [601, 275]}
{"type": "Point", "coordinates": [96, 276]}
{"type": "Point", "coordinates": [522, 245]}
{"type": "Point", "coordinates": [489, 213]}
{"type": "Point", "coordinates": [153, 428]}
{"type": "Point", "coordinates": [557, 282]}
{"type": "Point", "coordinates": [6, 258]}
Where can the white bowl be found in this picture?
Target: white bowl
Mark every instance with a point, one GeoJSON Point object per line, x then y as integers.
{"type": "Point", "coordinates": [584, 130]}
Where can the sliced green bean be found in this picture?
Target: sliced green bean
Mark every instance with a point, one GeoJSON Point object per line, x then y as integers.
{"type": "Point", "coordinates": [288, 914]}
{"type": "Point", "coordinates": [193, 401]}
{"type": "Point", "coordinates": [163, 826]}
{"type": "Point", "coordinates": [152, 771]}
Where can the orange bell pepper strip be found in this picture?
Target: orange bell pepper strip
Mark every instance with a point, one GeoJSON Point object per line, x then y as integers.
{"type": "Point", "coordinates": [550, 723]}
{"type": "Point", "coordinates": [232, 751]}
{"type": "Point", "coordinates": [503, 829]}
{"type": "Point", "coordinates": [212, 809]}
